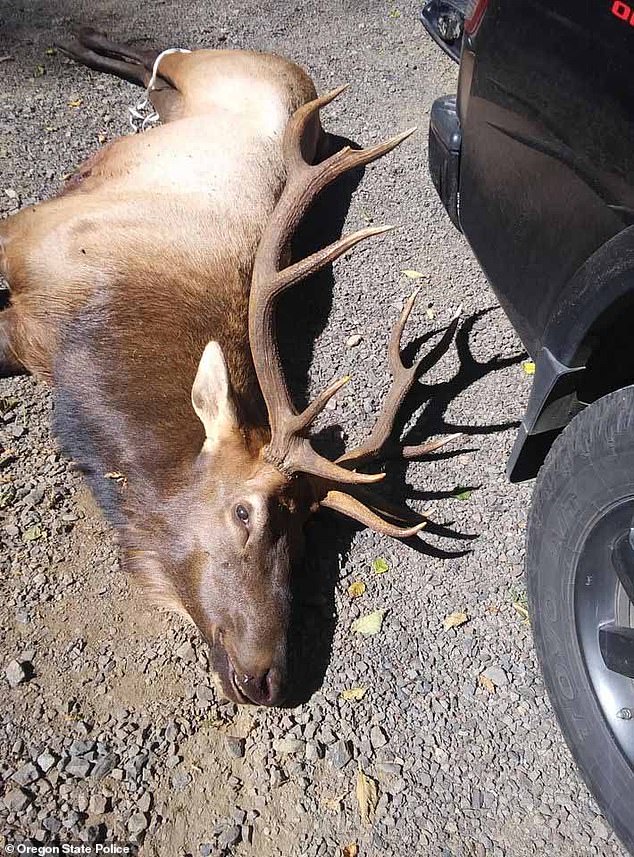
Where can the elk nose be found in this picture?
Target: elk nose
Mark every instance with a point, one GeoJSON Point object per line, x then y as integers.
{"type": "Point", "coordinates": [262, 689]}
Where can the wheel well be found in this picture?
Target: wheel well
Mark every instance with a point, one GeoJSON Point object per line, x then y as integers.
{"type": "Point", "coordinates": [608, 352]}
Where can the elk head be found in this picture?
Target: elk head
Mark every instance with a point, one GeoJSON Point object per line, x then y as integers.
{"type": "Point", "coordinates": [256, 488]}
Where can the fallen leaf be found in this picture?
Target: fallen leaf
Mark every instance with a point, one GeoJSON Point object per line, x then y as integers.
{"type": "Point", "coordinates": [430, 313]}
{"type": "Point", "coordinates": [33, 533]}
{"type": "Point", "coordinates": [380, 565]}
{"type": "Point", "coordinates": [356, 589]}
{"type": "Point", "coordinates": [454, 620]}
{"type": "Point", "coordinates": [39, 71]}
{"type": "Point", "coordinates": [353, 693]}
{"type": "Point", "coordinates": [519, 602]}
{"type": "Point", "coordinates": [350, 850]}
{"type": "Point", "coordinates": [75, 102]}
{"type": "Point", "coordinates": [369, 624]}
{"type": "Point", "coordinates": [529, 367]}
{"type": "Point", "coordinates": [50, 52]}
{"type": "Point", "coordinates": [367, 796]}
{"type": "Point", "coordinates": [334, 803]}
{"type": "Point", "coordinates": [461, 493]}
{"type": "Point", "coordinates": [7, 495]}
{"type": "Point", "coordinates": [521, 610]}
{"type": "Point", "coordinates": [7, 404]}
{"type": "Point", "coordinates": [486, 683]}
{"type": "Point", "coordinates": [411, 274]}
{"type": "Point", "coordinates": [7, 456]}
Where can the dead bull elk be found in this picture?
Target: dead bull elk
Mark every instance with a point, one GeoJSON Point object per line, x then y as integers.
{"type": "Point", "coordinates": [149, 285]}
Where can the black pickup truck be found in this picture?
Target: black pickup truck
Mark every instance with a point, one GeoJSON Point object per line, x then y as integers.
{"type": "Point", "coordinates": [534, 161]}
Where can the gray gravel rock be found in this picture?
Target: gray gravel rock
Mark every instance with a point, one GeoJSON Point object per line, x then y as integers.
{"type": "Point", "coordinates": [314, 751]}
{"type": "Point", "coordinates": [277, 778]}
{"type": "Point", "coordinates": [144, 803]}
{"type": "Point", "coordinates": [52, 825]}
{"type": "Point", "coordinates": [496, 675]}
{"type": "Point", "coordinates": [186, 652]}
{"type": "Point", "coordinates": [137, 823]}
{"type": "Point", "coordinates": [340, 754]}
{"type": "Point", "coordinates": [180, 780]}
{"type": "Point", "coordinates": [104, 766]}
{"type": "Point", "coordinates": [46, 760]}
{"type": "Point", "coordinates": [78, 767]}
{"type": "Point", "coordinates": [378, 738]}
{"type": "Point", "coordinates": [26, 775]}
{"type": "Point", "coordinates": [16, 800]}
{"type": "Point", "coordinates": [229, 837]}
{"type": "Point", "coordinates": [98, 804]}
{"type": "Point", "coordinates": [235, 746]}
{"type": "Point", "coordinates": [286, 746]}
{"type": "Point", "coordinates": [15, 673]}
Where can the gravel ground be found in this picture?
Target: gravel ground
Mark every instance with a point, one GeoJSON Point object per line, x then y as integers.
{"type": "Point", "coordinates": [109, 726]}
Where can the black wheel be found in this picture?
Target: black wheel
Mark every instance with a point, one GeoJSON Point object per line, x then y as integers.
{"type": "Point", "coordinates": [580, 577]}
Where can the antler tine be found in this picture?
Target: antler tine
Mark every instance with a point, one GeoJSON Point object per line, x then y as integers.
{"type": "Point", "coordinates": [403, 379]}
{"type": "Point", "coordinates": [307, 417]}
{"type": "Point", "coordinates": [296, 128]}
{"type": "Point", "coordinates": [288, 450]}
{"type": "Point", "coordinates": [385, 508]}
{"type": "Point", "coordinates": [298, 271]}
{"type": "Point", "coordinates": [348, 505]}
{"type": "Point", "coordinates": [394, 348]}
{"type": "Point", "coordinates": [304, 459]}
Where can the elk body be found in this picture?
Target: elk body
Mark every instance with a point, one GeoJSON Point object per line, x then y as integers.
{"type": "Point", "coordinates": [145, 293]}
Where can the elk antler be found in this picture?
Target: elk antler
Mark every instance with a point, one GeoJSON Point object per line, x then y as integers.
{"type": "Point", "coordinates": [289, 449]}
{"type": "Point", "coordinates": [403, 379]}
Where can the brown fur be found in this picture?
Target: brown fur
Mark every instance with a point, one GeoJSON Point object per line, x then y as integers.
{"type": "Point", "coordinates": [117, 285]}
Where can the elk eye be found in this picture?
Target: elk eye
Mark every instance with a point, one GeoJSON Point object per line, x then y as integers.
{"type": "Point", "coordinates": [242, 514]}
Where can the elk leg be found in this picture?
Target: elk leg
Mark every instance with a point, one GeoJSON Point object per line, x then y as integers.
{"type": "Point", "coordinates": [132, 72]}
{"type": "Point", "coordinates": [95, 51]}
{"type": "Point", "coordinates": [9, 363]}
{"type": "Point", "coordinates": [101, 44]}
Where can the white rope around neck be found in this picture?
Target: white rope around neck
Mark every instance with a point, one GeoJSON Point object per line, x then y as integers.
{"type": "Point", "coordinates": [140, 119]}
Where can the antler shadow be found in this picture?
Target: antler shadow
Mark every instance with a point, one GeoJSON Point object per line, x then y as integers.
{"type": "Point", "coordinates": [437, 397]}
{"type": "Point", "coordinates": [434, 399]}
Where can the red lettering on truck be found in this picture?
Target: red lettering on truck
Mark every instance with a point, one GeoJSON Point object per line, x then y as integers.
{"type": "Point", "coordinates": [623, 11]}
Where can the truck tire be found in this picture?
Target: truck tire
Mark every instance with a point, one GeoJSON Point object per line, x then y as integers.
{"type": "Point", "coordinates": [579, 571]}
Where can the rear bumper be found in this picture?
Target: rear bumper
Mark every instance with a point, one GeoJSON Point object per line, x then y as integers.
{"type": "Point", "coordinates": [445, 141]}
{"type": "Point", "coordinates": [553, 400]}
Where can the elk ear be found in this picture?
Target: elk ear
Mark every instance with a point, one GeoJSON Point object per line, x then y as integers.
{"type": "Point", "coordinates": [211, 395]}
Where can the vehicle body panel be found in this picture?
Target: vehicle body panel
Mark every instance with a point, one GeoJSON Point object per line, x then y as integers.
{"type": "Point", "coordinates": [545, 180]}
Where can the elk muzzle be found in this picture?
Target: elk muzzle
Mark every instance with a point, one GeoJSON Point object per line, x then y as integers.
{"type": "Point", "coordinates": [249, 670]}
{"type": "Point", "coordinates": [263, 688]}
